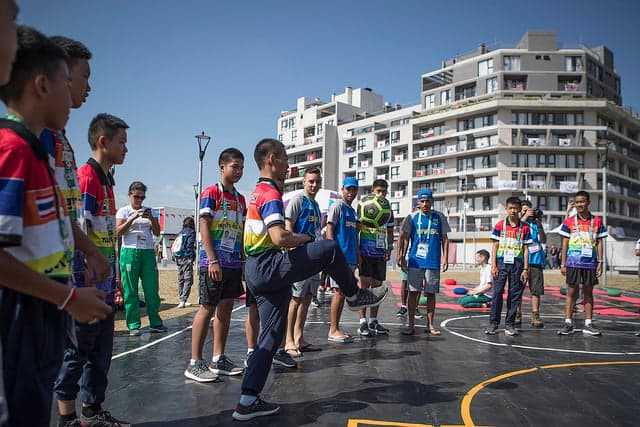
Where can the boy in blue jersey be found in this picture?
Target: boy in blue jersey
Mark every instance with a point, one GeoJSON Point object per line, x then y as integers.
{"type": "Point", "coordinates": [222, 213]}
{"type": "Point", "coordinates": [537, 261]}
{"type": "Point", "coordinates": [376, 245]}
{"type": "Point", "coordinates": [302, 215]}
{"type": "Point", "coordinates": [426, 230]}
{"type": "Point", "coordinates": [341, 226]}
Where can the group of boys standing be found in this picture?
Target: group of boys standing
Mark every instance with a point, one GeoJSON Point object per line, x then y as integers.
{"type": "Point", "coordinates": [57, 240]}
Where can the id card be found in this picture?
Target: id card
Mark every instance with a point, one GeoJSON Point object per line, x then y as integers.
{"type": "Point", "coordinates": [381, 241]}
{"type": "Point", "coordinates": [228, 242]}
{"type": "Point", "coordinates": [422, 251]}
{"type": "Point", "coordinates": [587, 250]}
{"type": "Point", "coordinates": [509, 256]}
{"type": "Point", "coordinates": [535, 248]}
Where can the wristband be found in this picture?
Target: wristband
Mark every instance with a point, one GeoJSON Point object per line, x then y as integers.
{"type": "Point", "coordinates": [599, 261]}
{"type": "Point", "coordinates": [213, 261]}
{"type": "Point", "coordinates": [70, 297]}
{"type": "Point", "coordinates": [312, 236]}
{"type": "Point", "coordinates": [525, 269]}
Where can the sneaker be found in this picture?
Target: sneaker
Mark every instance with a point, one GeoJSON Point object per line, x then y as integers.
{"type": "Point", "coordinates": [578, 308]}
{"type": "Point", "coordinates": [536, 322]}
{"type": "Point", "coordinates": [491, 329]}
{"type": "Point", "coordinates": [103, 419]}
{"type": "Point", "coordinates": [511, 330]}
{"type": "Point", "coordinates": [282, 358]}
{"type": "Point", "coordinates": [158, 329]}
{"type": "Point", "coordinates": [402, 312]}
{"type": "Point", "coordinates": [200, 372]}
{"type": "Point", "coordinates": [567, 329]}
{"type": "Point", "coordinates": [224, 366]}
{"type": "Point", "coordinates": [315, 302]}
{"type": "Point", "coordinates": [377, 328]}
{"type": "Point", "coordinates": [418, 314]}
{"type": "Point", "coordinates": [134, 332]}
{"type": "Point", "coordinates": [368, 298]}
{"type": "Point", "coordinates": [187, 304]}
{"type": "Point", "coordinates": [180, 304]}
{"type": "Point", "coordinates": [518, 322]}
{"type": "Point", "coordinates": [591, 330]}
{"type": "Point", "coordinates": [246, 359]}
{"type": "Point", "coordinates": [364, 330]}
{"type": "Point", "coordinates": [259, 408]}
{"type": "Point", "coordinates": [638, 334]}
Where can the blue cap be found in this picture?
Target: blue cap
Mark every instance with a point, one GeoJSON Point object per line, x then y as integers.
{"type": "Point", "coordinates": [425, 193]}
{"type": "Point", "coordinates": [350, 182]}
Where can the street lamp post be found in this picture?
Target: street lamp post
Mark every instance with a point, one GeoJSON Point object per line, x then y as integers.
{"type": "Point", "coordinates": [203, 143]}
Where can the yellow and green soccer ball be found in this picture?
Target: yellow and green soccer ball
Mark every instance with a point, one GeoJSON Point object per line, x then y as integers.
{"type": "Point", "coordinates": [374, 211]}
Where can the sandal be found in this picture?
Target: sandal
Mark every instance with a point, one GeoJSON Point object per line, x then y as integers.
{"type": "Point", "coordinates": [409, 332]}
{"type": "Point", "coordinates": [308, 347]}
{"type": "Point", "coordinates": [432, 331]}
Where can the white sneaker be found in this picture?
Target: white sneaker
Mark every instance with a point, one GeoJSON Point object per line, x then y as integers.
{"type": "Point", "coordinates": [186, 304]}
{"type": "Point", "coordinates": [181, 304]}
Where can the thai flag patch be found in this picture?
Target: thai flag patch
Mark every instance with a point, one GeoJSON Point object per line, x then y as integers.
{"type": "Point", "coordinates": [46, 206]}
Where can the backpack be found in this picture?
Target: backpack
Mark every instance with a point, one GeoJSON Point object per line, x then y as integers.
{"type": "Point", "coordinates": [176, 246]}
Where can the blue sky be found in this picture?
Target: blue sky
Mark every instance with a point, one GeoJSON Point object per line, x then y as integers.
{"type": "Point", "coordinates": [172, 69]}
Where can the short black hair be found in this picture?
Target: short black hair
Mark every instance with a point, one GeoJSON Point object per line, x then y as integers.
{"type": "Point", "coordinates": [104, 124]}
{"type": "Point", "coordinates": [485, 253]}
{"type": "Point", "coordinates": [36, 54]}
{"type": "Point", "coordinates": [513, 201]}
{"type": "Point", "coordinates": [229, 154]}
{"type": "Point", "coordinates": [526, 203]}
{"type": "Point", "coordinates": [189, 222]}
{"type": "Point", "coordinates": [137, 186]}
{"type": "Point", "coordinates": [73, 48]}
{"type": "Point", "coordinates": [380, 183]}
{"type": "Point", "coordinates": [583, 194]}
{"type": "Point", "coordinates": [266, 147]}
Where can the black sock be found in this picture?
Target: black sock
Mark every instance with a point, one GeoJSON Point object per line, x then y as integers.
{"type": "Point", "coordinates": [67, 418]}
{"type": "Point", "coordinates": [91, 411]}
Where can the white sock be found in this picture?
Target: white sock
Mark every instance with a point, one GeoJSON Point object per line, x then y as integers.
{"type": "Point", "coordinates": [403, 306]}
{"type": "Point", "coordinates": [215, 359]}
{"type": "Point", "coordinates": [192, 362]}
{"type": "Point", "coordinates": [363, 320]}
{"type": "Point", "coordinates": [568, 321]}
{"type": "Point", "coordinates": [246, 400]}
{"type": "Point", "coordinates": [249, 350]}
{"type": "Point", "coordinates": [587, 322]}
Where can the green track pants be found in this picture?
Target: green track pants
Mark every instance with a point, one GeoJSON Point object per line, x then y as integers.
{"type": "Point", "coordinates": [136, 264]}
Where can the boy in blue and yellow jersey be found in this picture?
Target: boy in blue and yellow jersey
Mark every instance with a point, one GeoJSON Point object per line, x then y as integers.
{"type": "Point", "coordinates": [302, 216]}
{"type": "Point", "coordinates": [36, 238]}
{"type": "Point", "coordinates": [222, 213]}
{"type": "Point", "coordinates": [91, 358]}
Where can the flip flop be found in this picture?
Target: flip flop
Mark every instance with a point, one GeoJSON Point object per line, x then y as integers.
{"type": "Point", "coordinates": [309, 347]}
{"type": "Point", "coordinates": [342, 340]}
{"type": "Point", "coordinates": [432, 331]}
{"type": "Point", "coordinates": [409, 332]}
{"type": "Point", "coordinates": [293, 352]}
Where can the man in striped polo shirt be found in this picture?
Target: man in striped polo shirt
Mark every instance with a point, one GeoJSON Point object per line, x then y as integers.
{"type": "Point", "coordinates": [270, 271]}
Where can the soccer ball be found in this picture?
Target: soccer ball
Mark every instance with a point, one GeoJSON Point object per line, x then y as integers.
{"type": "Point", "coordinates": [374, 211]}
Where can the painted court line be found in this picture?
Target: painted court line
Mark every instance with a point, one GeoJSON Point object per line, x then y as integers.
{"type": "Point", "coordinates": [444, 326]}
{"type": "Point", "coordinates": [158, 341]}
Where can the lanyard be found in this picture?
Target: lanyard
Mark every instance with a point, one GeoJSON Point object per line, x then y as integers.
{"type": "Point", "coordinates": [271, 182]}
{"type": "Point", "coordinates": [591, 223]}
{"type": "Point", "coordinates": [225, 202]}
{"type": "Point", "coordinates": [420, 215]}
{"type": "Point", "coordinates": [62, 226]}
{"type": "Point", "coordinates": [518, 232]}
{"type": "Point", "coordinates": [108, 213]}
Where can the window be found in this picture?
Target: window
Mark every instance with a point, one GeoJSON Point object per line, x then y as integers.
{"type": "Point", "coordinates": [429, 101]}
{"type": "Point", "coordinates": [320, 128]}
{"type": "Point", "coordinates": [445, 97]}
{"type": "Point", "coordinates": [361, 176]}
{"type": "Point", "coordinates": [466, 91]}
{"type": "Point", "coordinates": [492, 85]}
{"type": "Point", "coordinates": [395, 172]}
{"type": "Point", "coordinates": [395, 135]}
{"type": "Point", "coordinates": [292, 122]}
{"type": "Point", "coordinates": [280, 137]}
{"type": "Point", "coordinates": [511, 63]}
{"type": "Point", "coordinates": [330, 122]}
{"type": "Point", "coordinates": [385, 156]}
{"type": "Point", "coordinates": [573, 63]}
{"type": "Point", "coordinates": [362, 143]}
{"type": "Point", "coordinates": [294, 134]}
{"type": "Point", "coordinates": [485, 67]}
{"type": "Point", "coordinates": [284, 124]}
{"type": "Point", "coordinates": [395, 207]}
{"type": "Point", "coordinates": [352, 162]}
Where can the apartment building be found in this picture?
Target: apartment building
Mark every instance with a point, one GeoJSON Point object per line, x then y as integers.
{"type": "Point", "coordinates": [532, 121]}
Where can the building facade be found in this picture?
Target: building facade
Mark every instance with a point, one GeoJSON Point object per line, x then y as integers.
{"type": "Point", "coordinates": [532, 121]}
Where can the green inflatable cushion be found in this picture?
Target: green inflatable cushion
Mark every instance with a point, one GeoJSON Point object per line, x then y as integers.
{"type": "Point", "coordinates": [614, 292]}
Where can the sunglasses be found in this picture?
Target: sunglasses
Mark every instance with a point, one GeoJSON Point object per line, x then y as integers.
{"type": "Point", "coordinates": [138, 197]}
